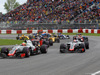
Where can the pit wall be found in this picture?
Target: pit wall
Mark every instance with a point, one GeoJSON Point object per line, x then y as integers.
{"type": "Point", "coordinates": [51, 31]}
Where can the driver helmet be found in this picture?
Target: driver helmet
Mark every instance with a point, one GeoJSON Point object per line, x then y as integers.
{"type": "Point", "coordinates": [23, 44]}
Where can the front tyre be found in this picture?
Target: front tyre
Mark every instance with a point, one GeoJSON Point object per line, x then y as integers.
{"type": "Point", "coordinates": [26, 51]}
{"type": "Point", "coordinates": [4, 52]}
{"type": "Point", "coordinates": [62, 48]}
{"type": "Point", "coordinates": [82, 48]}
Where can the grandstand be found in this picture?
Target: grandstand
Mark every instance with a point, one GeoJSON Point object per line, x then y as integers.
{"type": "Point", "coordinates": [53, 14]}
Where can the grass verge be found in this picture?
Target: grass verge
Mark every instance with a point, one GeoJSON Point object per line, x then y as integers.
{"type": "Point", "coordinates": [85, 34]}
{"type": "Point", "coordinates": [10, 42]}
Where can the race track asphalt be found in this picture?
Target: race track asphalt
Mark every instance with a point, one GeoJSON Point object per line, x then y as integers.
{"type": "Point", "coordinates": [55, 63]}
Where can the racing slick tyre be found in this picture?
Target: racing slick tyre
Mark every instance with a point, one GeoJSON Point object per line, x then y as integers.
{"type": "Point", "coordinates": [86, 39]}
{"type": "Point", "coordinates": [30, 37]}
{"type": "Point", "coordinates": [46, 43]}
{"type": "Point", "coordinates": [82, 48]}
{"type": "Point", "coordinates": [3, 55]}
{"type": "Point", "coordinates": [43, 49]}
{"type": "Point", "coordinates": [17, 38]}
{"type": "Point", "coordinates": [26, 51]}
{"type": "Point", "coordinates": [87, 45]}
{"type": "Point", "coordinates": [22, 38]}
{"type": "Point", "coordinates": [4, 52]}
{"type": "Point", "coordinates": [51, 43]}
{"type": "Point", "coordinates": [58, 40]}
{"type": "Point", "coordinates": [63, 48]}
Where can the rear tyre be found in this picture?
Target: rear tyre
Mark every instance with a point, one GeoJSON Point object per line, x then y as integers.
{"type": "Point", "coordinates": [22, 38]}
{"type": "Point", "coordinates": [87, 45]}
{"type": "Point", "coordinates": [51, 43]}
{"type": "Point", "coordinates": [82, 47]}
{"type": "Point", "coordinates": [58, 40]}
{"type": "Point", "coordinates": [46, 43]}
{"type": "Point", "coordinates": [30, 37]}
{"type": "Point", "coordinates": [26, 51]}
{"type": "Point", "coordinates": [17, 38]}
{"type": "Point", "coordinates": [4, 52]}
{"type": "Point", "coordinates": [43, 49]}
{"type": "Point", "coordinates": [3, 55]}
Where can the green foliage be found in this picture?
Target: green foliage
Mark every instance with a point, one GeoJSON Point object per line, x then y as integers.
{"type": "Point", "coordinates": [11, 5]}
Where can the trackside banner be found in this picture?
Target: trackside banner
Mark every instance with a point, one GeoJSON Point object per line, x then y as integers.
{"type": "Point", "coordinates": [50, 31]}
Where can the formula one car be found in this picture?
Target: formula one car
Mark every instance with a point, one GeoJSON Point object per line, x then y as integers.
{"type": "Point", "coordinates": [74, 46]}
{"type": "Point", "coordinates": [54, 38]}
{"type": "Point", "coordinates": [33, 35]}
{"type": "Point", "coordinates": [46, 40]}
{"type": "Point", "coordinates": [43, 40]}
{"type": "Point", "coordinates": [50, 37]}
{"type": "Point", "coordinates": [61, 36]}
{"type": "Point", "coordinates": [24, 50]}
{"type": "Point", "coordinates": [22, 37]}
{"type": "Point", "coordinates": [82, 39]}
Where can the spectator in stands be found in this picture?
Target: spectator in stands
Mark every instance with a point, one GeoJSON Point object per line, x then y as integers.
{"type": "Point", "coordinates": [55, 11]}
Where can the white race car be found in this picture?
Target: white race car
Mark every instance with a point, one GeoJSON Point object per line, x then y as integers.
{"type": "Point", "coordinates": [23, 50]}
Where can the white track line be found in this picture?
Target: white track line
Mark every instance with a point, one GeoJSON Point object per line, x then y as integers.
{"type": "Point", "coordinates": [95, 73]}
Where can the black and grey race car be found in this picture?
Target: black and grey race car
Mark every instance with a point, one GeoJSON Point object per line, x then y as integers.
{"type": "Point", "coordinates": [82, 39]}
{"type": "Point", "coordinates": [23, 51]}
{"type": "Point", "coordinates": [47, 42]}
{"type": "Point", "coordinates": [74, 46]}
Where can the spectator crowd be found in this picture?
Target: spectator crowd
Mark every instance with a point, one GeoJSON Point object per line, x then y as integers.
{"type": "Point", "coordinates": [42, 11]}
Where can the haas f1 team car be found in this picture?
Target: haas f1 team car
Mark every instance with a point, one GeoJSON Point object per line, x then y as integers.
{"type": "Point", "coordinates": [74, 46]}
{"type": "Point", "coordinates": [82, 39]}
{"type": "Point", "coordinates": [24, 50]}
